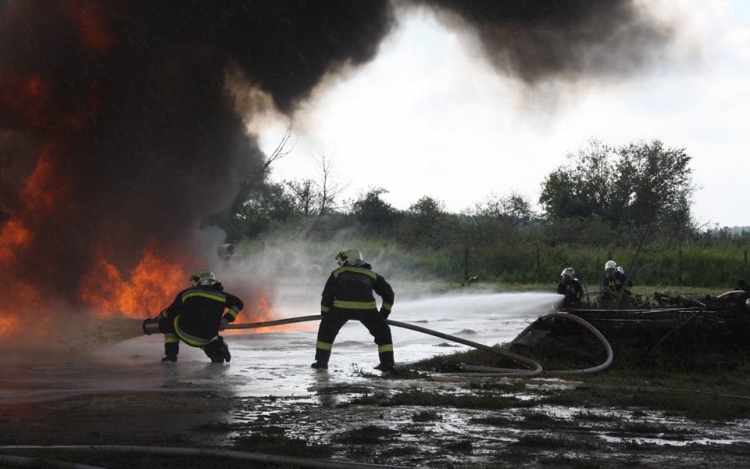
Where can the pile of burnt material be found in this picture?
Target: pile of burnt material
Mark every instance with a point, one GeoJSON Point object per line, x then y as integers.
{"type": "Point", "coordinates": [683, 334]}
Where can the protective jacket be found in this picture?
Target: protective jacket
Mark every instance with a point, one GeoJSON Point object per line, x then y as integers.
{"type": "Point", "coordinates": [198, 311]}
{"type": "Point", "coordinates": [195, 317]}
{"type": "Point", "coordinates": [616, 282]}
{"type": "Point", "coordinates": [351, 287]}
{"type": "Point", "coordinates": [572, 289]}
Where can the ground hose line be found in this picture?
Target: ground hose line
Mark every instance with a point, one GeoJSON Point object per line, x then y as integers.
{"type": "Point", "coordinates": [302, 463]}
{"type": "Point", "coordinates": [493, 371]}
{"type": "Point", "coordinates": [593, 330]}
{"type": "Point", "coordinates": [536, 367]}
{"type": "Point", "coordinates": [488, 371]}
{"type": "Point", "coordinates": [20, 461]}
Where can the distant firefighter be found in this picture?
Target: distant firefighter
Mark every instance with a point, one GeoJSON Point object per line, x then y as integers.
{"type": "Point", "coordinates": [615, 278]}
{"type": "Point", "coordinates": [195, 317]}
{"type": "Point", "coordinates": [348, 294]}
{"type": "Point", "coordinates": [570, 287]}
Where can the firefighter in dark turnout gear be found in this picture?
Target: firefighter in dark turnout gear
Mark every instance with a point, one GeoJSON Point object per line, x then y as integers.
{"type": "Point", "coordinates": [348, 294]}
{"type": "Point", "coordinates": [570, 287]}
{"type": "Point", "coordinates": [615, 278]}
{"type": "Point", "coordinates": [195, 317]}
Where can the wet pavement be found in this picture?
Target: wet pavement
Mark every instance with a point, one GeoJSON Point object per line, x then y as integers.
{"type": "Point", "coordinates": [269, 388]}
{"type": "Point", "coordinates": [275, 362]}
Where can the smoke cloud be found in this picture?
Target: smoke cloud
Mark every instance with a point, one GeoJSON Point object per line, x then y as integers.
{"type": "Point", "coordinates": [122, 131]}
{"type": "Point", "coordinates": [535, 40]}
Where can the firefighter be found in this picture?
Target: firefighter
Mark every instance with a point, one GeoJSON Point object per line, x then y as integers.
{"type": "Point", "coordinates": [195, 317]}
{"type": "Point", "coordinates": [348, 294]}
{"type": "Point", "coordinates": [615, 278]}
{"type": "Point", "coordinates": [570, 287]}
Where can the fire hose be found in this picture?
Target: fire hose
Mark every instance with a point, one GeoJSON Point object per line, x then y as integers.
{"type": "Point", "coordinates": [151, 326]}
{"type": "Point", "coordinates": [284, 461]}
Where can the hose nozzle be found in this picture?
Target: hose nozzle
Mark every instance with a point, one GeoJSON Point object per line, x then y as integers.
{"type": "Point", "coordinates": [151, 326]}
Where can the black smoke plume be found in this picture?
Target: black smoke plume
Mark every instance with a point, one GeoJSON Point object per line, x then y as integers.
{"type": "Point", "coordinates": [117, 130]}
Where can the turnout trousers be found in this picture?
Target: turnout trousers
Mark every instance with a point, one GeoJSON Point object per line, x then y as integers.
{"type": "Point", "coordinates": [215, 348]}
{"type": "Point", "coordinates": [334, 320]}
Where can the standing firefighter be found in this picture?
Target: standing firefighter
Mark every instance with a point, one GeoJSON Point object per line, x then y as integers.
{"type": "Point", "coordinates": [196, 316]}
{"type": "Point", "coordinates": [570, 287]}
{"type": "Point", "coordinates": [348, 295]}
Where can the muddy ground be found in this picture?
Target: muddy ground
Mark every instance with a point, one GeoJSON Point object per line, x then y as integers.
{"type": "Point", "coordinates": [269, 402]}
{"type": "Point", "coordinates": [408, 421]}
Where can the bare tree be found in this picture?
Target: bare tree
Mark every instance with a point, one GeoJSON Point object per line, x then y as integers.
{"type": "Point", "coordinates": [281, 149]}
{"type": "Point", "coordinates": [329, 187]}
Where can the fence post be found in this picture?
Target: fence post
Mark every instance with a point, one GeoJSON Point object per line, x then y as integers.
{"type": "Point", "coordinates": [679, 267]}
{"type": "Point", "coordinates": [466, 264]}
{"type": "Point", "coordinates": [538, 265]}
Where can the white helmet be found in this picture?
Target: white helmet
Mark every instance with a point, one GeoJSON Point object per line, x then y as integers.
{"type": "Point", "coordinates": [620, 269]}
{"type": "Point", "coordinates": [610, 265]}
{"type": "Point", "coordinates": [348, 256]}
{"type": "Point", "coordinates": [203, 277]}
{"type": "Point", "coordinates": [568, 272]}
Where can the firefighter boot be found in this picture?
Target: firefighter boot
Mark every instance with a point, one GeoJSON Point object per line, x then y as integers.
{"type": "Point", "coordinates": [224, 349]}
{"type": "Point", "coordinates": [170, 352]}
{"type": "Point", "coordinates": [386, 359]}
{"type": "Point", "coordinates": [321, 359]}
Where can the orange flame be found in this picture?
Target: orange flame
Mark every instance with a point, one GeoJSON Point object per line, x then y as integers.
{"type": "Point", "coordinates": [14, 236]}
{"type": "Point", "coordinates": [148, 288]}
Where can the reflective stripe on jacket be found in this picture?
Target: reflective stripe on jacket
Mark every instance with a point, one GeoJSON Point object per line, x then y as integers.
{"type": "Point", "coordinates": [352, 287]}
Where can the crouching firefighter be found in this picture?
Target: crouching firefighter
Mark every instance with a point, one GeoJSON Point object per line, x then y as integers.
{"type": "Point", "coordinates": [196, 316]}
{"type": "Point", "coordinates": [348, 294]}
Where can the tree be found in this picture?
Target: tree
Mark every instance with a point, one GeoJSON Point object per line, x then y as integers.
{"type": "Point", "coordinates": [514, 208]}
{"type": "Point", "coordinates": [281, 149]}
{"type": "Point", "coordinates": [658, 181]}
{"type": "Point", "coordinates": [307, 197]}
{"type": "Point", "coordinates": [374, 213]}
{"type": "Point", "coordinates": [426, 223]}
{"type": "Point", "coordinates": [329, 187]}
{"type": "Point", "coordinates": [582, 187]}
{"type": "Point", "coordinates": [270, 204]}
{"type": "Point", "coordinates": [629, 186]}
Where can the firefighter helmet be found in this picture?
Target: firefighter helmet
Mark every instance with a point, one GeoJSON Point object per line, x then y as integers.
{"type": "Point", "coordinates": [203, 277]}
{"type": "Point", "coordinates": [348, 256]}
{"type": "Point", "coordinates": [568, 272]}
{"type": "Point", "coordinates": [610, 265]}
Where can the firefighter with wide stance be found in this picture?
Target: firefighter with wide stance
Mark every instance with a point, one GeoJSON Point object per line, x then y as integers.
{"type": "Point", "coordinates": [195, 317]}
{"type": "Point", "coordinates": [348, 294]}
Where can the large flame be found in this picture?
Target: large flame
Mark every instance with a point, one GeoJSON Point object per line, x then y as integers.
{"type": "Point", "coordinates": [138, 293]}
{"type": "Point", "coordinates": [109, 279]}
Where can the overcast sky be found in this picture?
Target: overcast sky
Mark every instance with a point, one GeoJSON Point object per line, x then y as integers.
{"type": "Point", "coordinates": [430, 117]}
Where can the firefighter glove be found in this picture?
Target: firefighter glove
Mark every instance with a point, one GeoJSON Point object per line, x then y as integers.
{"type": "Point", "coordinates": [385, 313]}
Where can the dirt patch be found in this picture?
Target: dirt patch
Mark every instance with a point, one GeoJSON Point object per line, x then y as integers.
{"type": "Point", "coordinates": [496, 426]}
